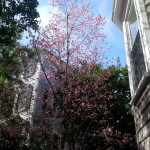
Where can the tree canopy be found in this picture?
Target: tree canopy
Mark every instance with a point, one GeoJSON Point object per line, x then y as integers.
{"type": "Point", "coordinates": [84, 106]}
{"type": "Point", "coordinates": [15, 17]}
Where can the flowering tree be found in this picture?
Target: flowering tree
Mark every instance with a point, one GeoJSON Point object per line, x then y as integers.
{"type": "Point", "coordinates": [73, 43]}
{"type": "Point", "coordinates": [90, 110]}
{"type": "Point", "coordinates": [77, 103]}
{"type": "Point", "coordinates": [73, 37]}
{"type": "Point", "coordinates": [73, 34]}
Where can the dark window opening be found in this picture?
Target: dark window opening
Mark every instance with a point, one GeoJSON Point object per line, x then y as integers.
{"type": "Point", "coordinates": [44, 99]}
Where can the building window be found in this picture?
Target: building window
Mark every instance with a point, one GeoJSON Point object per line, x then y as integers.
{"type": "Point", "coordinates": [136, 54]}
{"type": "Point", "coordinates": [138, 64]}
{"type": "Point", "coordinates": [133, 24]}
{"type": "Point", "coordinates": [44, 106]}
{"type": "Point", "coordinates": [24, 98]}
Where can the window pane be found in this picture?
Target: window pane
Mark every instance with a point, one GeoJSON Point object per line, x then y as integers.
{"type": "Point", "coordinates": [133, 24]}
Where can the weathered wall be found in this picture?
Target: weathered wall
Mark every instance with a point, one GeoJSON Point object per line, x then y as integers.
{"type": "Point", "coordinates": [141, 111]}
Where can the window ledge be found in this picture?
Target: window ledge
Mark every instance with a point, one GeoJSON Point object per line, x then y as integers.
{"type": "Point", "coordinates": [141, 87]}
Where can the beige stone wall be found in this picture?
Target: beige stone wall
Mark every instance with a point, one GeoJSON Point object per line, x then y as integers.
{"type": "Point", "coordinates": [141, 111]}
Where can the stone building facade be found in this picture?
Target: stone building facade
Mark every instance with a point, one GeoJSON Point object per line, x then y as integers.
{"type": "Point", "coordinates": [34, 96]}
{"type": "Point", "coordinates": [33, 90]}
{"type": "Point", "coordinates": [25, 101]}
{"type": "Point", "coordinates": [133, 18]}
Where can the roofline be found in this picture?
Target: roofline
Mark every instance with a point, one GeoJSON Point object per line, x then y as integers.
{"type": "Point", "coordinates": [118, 12]}
{"type": "Point", "coordinates": [113, 10]}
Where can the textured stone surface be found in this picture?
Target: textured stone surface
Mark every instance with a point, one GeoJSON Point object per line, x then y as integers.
{"type": "Point", "coordinates": [141, 111]}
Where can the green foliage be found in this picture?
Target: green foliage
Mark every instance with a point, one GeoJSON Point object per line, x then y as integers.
{"type": "Point", "coordinates": [15, 17]}
{"type": "Point", "coordinates": [6, 98]}
{"type": "Point", "coordinates": [11, 63]}
{"type": "Point", "coordinates": [119, 120]}
{"type": "Point", "coordinates": [119, 84]}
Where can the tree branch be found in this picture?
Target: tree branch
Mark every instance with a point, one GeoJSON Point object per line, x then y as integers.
{"type": "Point", "coordinates": [44, 70]}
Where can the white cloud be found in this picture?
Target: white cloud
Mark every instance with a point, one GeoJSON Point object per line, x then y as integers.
{"type": "Point", "coordinates": [45, 14]}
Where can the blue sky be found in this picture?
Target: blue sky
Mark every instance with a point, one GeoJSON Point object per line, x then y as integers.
{"type": "Point", "coordinates": [104, 7]}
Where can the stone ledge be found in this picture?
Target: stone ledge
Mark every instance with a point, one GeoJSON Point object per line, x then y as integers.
{"type": "Point", "coordinates": [140, 89]}
{"type": "Point", "coordinates": [143, 120]}
{"type": "Point", "coordinates": [142, 105]}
